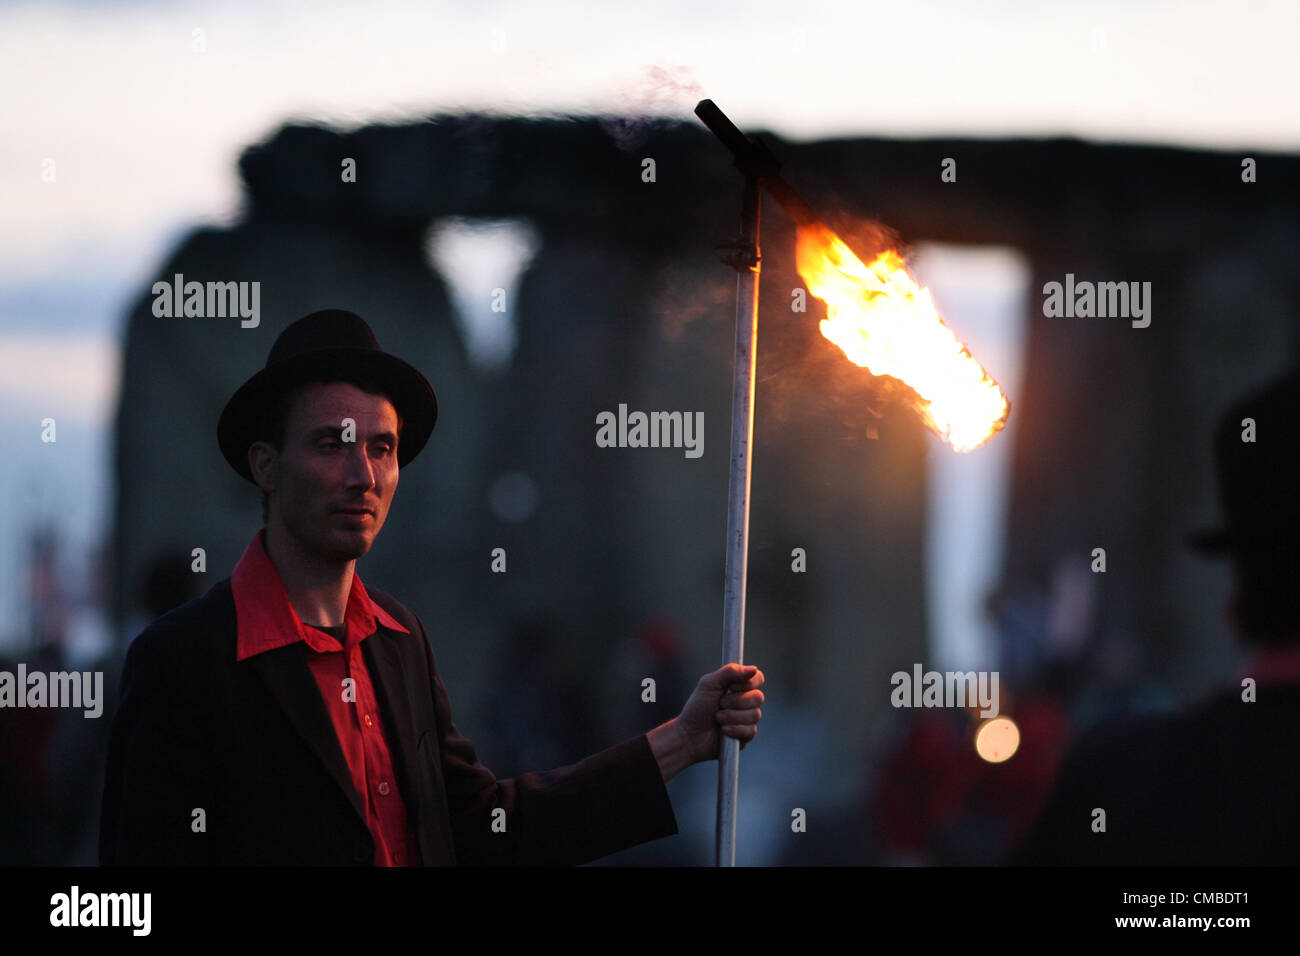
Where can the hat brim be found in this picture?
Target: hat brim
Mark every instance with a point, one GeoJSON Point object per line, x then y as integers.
{"type": "Point", "coordinates": [246, 417]}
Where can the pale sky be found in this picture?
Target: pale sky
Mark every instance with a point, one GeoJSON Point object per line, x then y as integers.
{"type": "Point", "coordinates": [141, 109]}
{"type": "Point", "coordinates": [144, 129]}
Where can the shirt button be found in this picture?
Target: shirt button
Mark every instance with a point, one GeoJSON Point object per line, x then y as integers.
{"type": "Point", "coordinates": [383, 788]}
{"type": "Point", "coordinates": [369, 722]}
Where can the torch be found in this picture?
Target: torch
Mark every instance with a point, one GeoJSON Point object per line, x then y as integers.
{"type": "Point", "coordinates": [882, 320]}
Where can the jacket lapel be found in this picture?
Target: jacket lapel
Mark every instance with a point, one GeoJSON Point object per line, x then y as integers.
{"type": "Point", "coordinates": [388, 677]}
{"type": "Point", "coordinates": [288, 675]}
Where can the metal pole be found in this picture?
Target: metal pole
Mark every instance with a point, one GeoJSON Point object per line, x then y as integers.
{"type": "Point", "coordinates": [754, 158]}
{"type": "Point", "coordinates": [747, 263]}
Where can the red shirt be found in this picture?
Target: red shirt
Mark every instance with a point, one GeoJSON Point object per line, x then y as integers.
{"type": "Point", "coordinates": [267, 620]}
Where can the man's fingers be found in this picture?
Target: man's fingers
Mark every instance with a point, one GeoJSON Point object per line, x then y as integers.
{"type": "Point", "coordinates": [739, 702]}
{"type": "Point", "coordinates": [743, 734]}
{"type": "Point", "coordinates": [752, 684]}
{"type": "Point", "coordinates": [728, 674]}
{"type": "Point", "coordinates": [745, 701]}
{"type": "Point", "coordinates": [737, 676]}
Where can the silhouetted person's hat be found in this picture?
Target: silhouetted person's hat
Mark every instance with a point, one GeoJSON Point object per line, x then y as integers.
{"type": "Point", "coordinates": [1259, 480]}
{"type": "Point", "coordinates": [318, 346]}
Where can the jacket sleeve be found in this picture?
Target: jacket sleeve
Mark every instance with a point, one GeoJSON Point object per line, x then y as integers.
{"type": "Point", "coordinates": [158, 771]}
{"type": "Point", "coordinates": [608, 802]}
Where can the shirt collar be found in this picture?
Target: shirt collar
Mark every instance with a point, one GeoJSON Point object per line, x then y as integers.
{"type": "Point", "coordinates": [266, 620]}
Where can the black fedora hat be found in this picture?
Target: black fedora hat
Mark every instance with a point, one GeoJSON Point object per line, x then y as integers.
{"type": "Point", "coordinates": [314, 348]}
{"type": "Point", "coordinates": [1258, 479]}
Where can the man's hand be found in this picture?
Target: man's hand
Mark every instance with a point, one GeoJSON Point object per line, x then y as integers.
{"type": "Point", "coordinates": [726, 701]}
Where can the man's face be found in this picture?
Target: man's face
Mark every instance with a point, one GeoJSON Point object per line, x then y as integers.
{"type": "Point", "coordinates": [333, 495]}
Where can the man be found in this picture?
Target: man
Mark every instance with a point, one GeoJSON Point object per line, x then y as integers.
{"type": "Point", "coordinates": [294, 716]}
{"type": "Point", "coordinates": [1219, 783]}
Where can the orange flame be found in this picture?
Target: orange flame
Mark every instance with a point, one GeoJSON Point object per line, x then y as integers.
{"type": "Point", "coordinates": [888, 324]}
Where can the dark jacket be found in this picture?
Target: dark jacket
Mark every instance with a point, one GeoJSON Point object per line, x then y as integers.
{"type": "Point", "coordinates": [1216, 785]}
{"type": "Point", "coordinates": [251, 745]}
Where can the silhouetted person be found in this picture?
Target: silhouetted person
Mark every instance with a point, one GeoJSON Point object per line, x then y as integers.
{"type": "Point", "coordinates": [1217, 784]}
